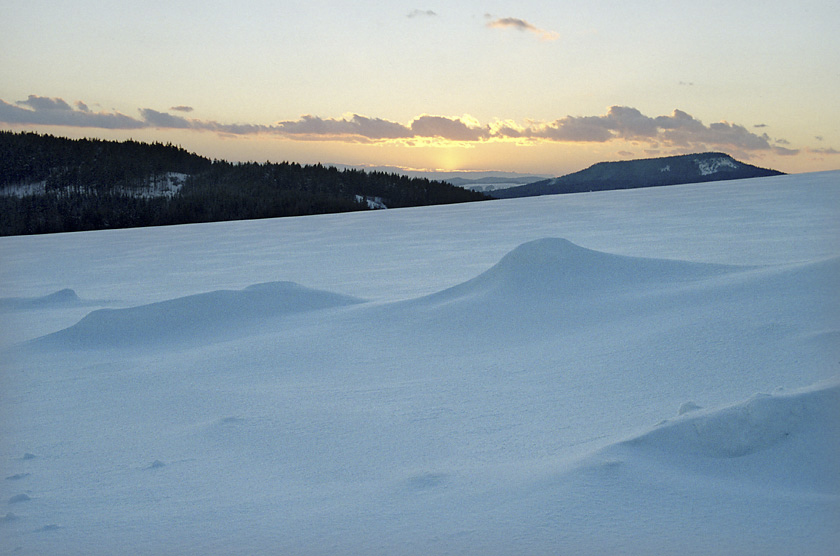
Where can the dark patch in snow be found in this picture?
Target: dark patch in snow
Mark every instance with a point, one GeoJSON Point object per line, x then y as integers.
{"type": "Point", "coordinates": [17, 476]}
{"type": "Point", "coordinates": [18, 498]}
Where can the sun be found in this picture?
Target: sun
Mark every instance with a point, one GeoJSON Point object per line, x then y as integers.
{"type": "Point", "coordinates": [449, 158]}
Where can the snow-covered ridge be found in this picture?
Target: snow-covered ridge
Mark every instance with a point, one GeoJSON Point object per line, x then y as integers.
{"type": "Point", "coordinates": [711, 166]}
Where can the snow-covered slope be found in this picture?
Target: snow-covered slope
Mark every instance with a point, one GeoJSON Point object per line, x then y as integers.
{"type": "Point", "coordinates": [510, 377]}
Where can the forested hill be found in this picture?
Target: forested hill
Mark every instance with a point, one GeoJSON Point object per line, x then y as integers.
{"type": "Point", "coordinates": [53, 184]}
{"type": "Point", "coordinates": [649, 172]}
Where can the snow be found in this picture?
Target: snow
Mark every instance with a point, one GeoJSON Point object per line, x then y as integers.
{"type": "Point", "coordinates": [713, 165]}
{"type": "Point", "coordinates": [649, 371]}
{"type": "Point", "coordinates": [165, 185]}
{"type": "Point", "coordinates": [372, 202]}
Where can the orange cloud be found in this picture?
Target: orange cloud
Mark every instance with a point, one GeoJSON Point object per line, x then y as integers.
{"type": "Point", "coordinates": [522, 25]}
{"type": "Point", "coordinates": [678, 130]}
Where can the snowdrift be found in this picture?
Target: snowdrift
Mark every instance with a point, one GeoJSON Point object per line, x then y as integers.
{"type": "Point", "coordinates": [497, 394]}
{"type": "Point", "coordinates": [555, 268]}
{"type": "Point", "coordinates": [62, 298]}
{"type": "Point", "coordinates": [198, 318]}
{"type": "Point", "coordinates": [770, 459]}
{"type": "Point", "coordinates": [792, 435]}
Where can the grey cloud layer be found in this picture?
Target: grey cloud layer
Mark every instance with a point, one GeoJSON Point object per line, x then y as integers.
{"type": "Point", "coordinates": [55, 111]}
{"type": "Point", "coordinates": [677, 130]}
{"type": "Point", "coordinates": [421, 13]}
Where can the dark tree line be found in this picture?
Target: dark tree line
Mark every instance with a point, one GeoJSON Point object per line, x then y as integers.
{"type": "Point", "coordinates": [91, 184]}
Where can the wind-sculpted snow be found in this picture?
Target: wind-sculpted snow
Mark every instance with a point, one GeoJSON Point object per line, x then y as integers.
{"type": "Point", "coordinates": [553, 267]}
{"type": "Point", "coordinates": [765, 422]}
{"type": "Point", "coordinates": [61, 298]}
{"type": "Point", "coordinates": [549, 284]}
{"type": "Point", "coordinates": [498, 394]}
{"type": "Point", "coordinates": [732, 468]}
{"type": "Point", "coordinates": [197, 318]}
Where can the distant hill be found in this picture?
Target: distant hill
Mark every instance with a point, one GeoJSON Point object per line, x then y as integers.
{"type": "Point", "coordinates": [649, 172]}
{"type": "Point", "coordinates": [487, 184]}
{"type": "Point", "coordinates": [53, 184]}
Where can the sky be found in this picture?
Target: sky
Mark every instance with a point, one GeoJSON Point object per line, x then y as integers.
{"type": "Point", "coordinates": [528, 86]}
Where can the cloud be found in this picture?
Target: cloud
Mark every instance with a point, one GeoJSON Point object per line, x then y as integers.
{"type": "Point", "coordinates": [676, 131]}
{"type": "Point", "coordinates": [352, 128]}
{"type": "Point", "coordinates": [453, 129]}
{"type": "Point", "coordinates": [829, 150]}
{"type": "Point", "coordinates": [44, 103]}
{"type": "Point", "coordinates": [421, 13]}
{"type": "Point", "coordinates": [522, 25]}
{"type": "Point", "coordinates": [161, 119]}
{"type": "Point", "coordinates": [55, 111]}
{"type": "Point", "coordinates": [760, 125]}
{"type": "Point", "coordinates": [182, 108]}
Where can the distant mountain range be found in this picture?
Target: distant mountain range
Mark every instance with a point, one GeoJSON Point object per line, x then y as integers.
{"type": "Point", "coordinates": [649, 172]}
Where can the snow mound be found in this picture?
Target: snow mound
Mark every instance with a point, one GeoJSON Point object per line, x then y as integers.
{"type": "Point", "coordinates": [557, 266]}
{"type": "Point", "coordinates": [797, 430]}
{"type": "Point", "coordinates": [61, 298]}
{"type": "Point", "coordinates": [195, 318]}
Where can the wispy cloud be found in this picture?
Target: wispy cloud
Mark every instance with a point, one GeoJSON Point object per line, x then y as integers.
{"type": "Point", "coordinates": [676, 131]}
{"type": "Point", "coordinates": [421, 13]}
{"type": "Point", "coordinates": [522, 25]}
{"type": "Point", "coordinates": [182, 108]}
{"type": "Point", "coordinates": [823, 151]}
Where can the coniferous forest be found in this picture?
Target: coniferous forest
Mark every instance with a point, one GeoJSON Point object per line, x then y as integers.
{"type": "Point", "coordinates": [52, 184]}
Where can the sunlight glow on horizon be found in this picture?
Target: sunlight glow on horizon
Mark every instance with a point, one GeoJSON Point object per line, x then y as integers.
{"type": "Point", "coordinates": [537, 88]}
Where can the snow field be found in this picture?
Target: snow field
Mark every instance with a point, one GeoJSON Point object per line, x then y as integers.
{"type": "Point", "coordinates": [512, 377]}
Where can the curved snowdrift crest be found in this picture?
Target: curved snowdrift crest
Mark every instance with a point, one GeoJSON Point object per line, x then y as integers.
{"type": "Point", "coordinates": [194, 317]}
{"type": "Point", "coordinates": [754, 425]}
{"type": "Point", "coordinates": [550, 267]}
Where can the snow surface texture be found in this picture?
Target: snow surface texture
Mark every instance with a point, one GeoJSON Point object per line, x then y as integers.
{"type": "Point", "coordinates": [628, 372]}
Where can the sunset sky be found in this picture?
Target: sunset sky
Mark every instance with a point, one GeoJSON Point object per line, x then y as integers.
{"type": "Point", "coordinates": [527, 86]}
